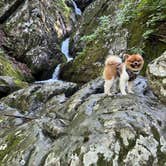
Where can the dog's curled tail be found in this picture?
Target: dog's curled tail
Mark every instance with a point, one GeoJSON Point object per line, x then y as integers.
{"type": "Point", "coordinates": [113, 60]}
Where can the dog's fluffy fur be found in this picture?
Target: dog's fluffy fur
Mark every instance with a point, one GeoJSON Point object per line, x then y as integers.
{"type": "Point", "coordinates": [114, 68]}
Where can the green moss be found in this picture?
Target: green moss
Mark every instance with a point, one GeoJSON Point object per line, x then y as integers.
{"type": "Point", "coordinates": [63, 7]}
{"type": "Point", "coordinates": [60, 5]}
{"type": "Point", "coordinates": [8, 69]}
{"type": "Point", "coordinates": [161, 156]}
{"type": "Point", "coordinates": [102, 161]}
{"type": "Point", "coordinates": [12, 142]}
{"type": "Point", "coordinates": [146, 29]}
{"type": "Point", "coordinates": [85, 68]}
{"type": "Point", "coordinates": [20, 84]}
{"type": "Point", "coordinates": [39, 96]}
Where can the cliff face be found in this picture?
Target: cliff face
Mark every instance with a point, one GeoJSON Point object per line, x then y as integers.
{"type": "Point", "coordinates": [33, 32]}
{"type": "Point", "coordinates": [122, 26]}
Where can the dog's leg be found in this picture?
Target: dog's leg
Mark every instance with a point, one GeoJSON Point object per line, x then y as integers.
{"type": "Point", "coordinates": [114, 86]}
{"type": "Point", "coordinates": [122, 86]}
{"type": "Point", "coordinates": [123, 81]}
{"type": "Point", "coordinates": [130, 86]}
{"type": "Point", "coordinates": [107, 86]}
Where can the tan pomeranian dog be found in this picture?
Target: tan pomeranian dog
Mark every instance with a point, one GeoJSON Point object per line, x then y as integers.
{"type": "Point", "coordinates": [126, 71]}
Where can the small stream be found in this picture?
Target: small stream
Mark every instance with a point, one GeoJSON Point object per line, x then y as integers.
{"type": "Point", "coordinates": [64, 50]}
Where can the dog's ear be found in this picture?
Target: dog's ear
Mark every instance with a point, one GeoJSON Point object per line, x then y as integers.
{"type": "Point", "coordinates": [125, 56]}
{"type": "Point", "coordinates": [139, 54]}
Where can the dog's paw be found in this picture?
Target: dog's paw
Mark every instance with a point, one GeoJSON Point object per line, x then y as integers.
{"type": "Point", "coordinates": [109, 94]}
{"type": "Point", "coordinates": [124, 94]}
{"type": "Point", "coordinates": [131, 92]}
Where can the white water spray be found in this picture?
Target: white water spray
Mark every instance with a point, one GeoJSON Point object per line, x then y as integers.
{"type": "Point", "coordinates": [65, 49]}
{"type": "Point", "coordinates": [76, 9]}
{"type": "Point", "coordinates": [55, 75]}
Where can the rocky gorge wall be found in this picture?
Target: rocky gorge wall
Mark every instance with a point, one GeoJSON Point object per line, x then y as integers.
{"type": "Point", "coordinates": [33, 31]}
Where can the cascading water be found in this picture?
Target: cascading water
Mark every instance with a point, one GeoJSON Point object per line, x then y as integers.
{"type": "Point", "coordinates": [64, 50]}
{"type": "Point", "coordinates": [56, 73]}
{"type": "Point", "coordinates": [76, 9]}
{"type": "Point", "coordinates": [65, 46]}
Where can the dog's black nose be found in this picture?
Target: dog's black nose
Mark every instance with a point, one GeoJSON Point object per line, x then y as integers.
{"type": "Point", "coordinates": [136, 63]}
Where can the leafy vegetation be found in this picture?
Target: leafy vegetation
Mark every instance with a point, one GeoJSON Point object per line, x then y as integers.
{"type": "Point", "coordinates": [102, 30]}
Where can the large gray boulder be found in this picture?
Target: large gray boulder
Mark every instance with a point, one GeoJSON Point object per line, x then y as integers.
{"type": "Point", "coordinates": [156, 73]}
{"type": "Point", "coordinates": [37, 95]}
{"type": "Point", "coordinates": [22, 124]}
{"type": "Point", "coordinates": [55, 128]}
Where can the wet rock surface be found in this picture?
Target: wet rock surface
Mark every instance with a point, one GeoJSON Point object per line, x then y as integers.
{"type": "Point", "coordinates": [156, 73]}
{"type": "Point", "coordinates": [84, 127]}
{"type": "Point", "coordinates": [83, 3]}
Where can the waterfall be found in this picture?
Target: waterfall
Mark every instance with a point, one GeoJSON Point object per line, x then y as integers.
{"type": "Point", "coordinates": [55, 75]}
{"type": "Point", "coordinates": [76, 9]}
{"type": "Point", "coordinates": [65, 49]}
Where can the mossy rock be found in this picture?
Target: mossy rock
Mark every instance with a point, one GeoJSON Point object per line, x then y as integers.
{"type": "Point", "coordinates": [90, 66]}
{"type": "Point", "coordinates": [147, 29]}
{"type": "Point", "coordinates": [7, 68]}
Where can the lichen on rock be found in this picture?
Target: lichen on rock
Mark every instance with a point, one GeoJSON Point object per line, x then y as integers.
{"type": "Point", "coordinates": [156, 73]}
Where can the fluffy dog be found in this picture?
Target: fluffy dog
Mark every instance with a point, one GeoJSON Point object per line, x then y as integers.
{"type": "Point", "coordinates": [126, 71]}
